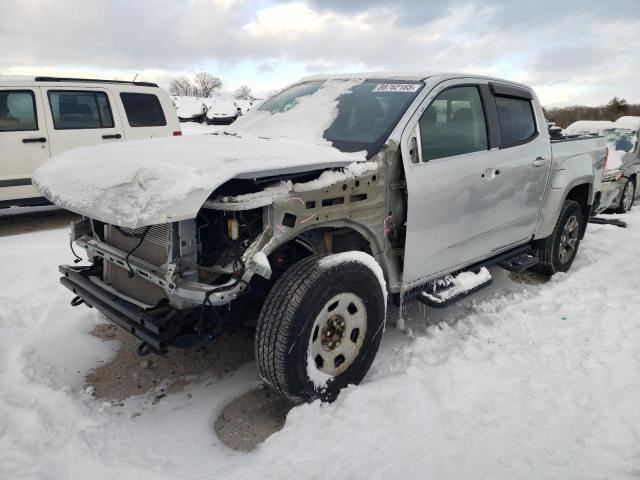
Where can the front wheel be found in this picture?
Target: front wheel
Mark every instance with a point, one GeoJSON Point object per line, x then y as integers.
{"type": "Point", "coordinates": [557, 252]}
{"type": "Point", "coordinates": [321, 325]}
{"type": "Point", "coordinates": [626, 197]}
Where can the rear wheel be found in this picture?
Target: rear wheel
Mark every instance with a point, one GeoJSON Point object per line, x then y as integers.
{"type": "Point", "coordinates": [557, 252]}
{"type": "Point", "coordinates": [626, 197]}
{"type": "Point", "coordinates": [320, 326]}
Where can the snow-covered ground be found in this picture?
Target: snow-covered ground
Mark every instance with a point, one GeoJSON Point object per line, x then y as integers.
{"type": "Point", "coordinates": [193, 128]}
{"type": "Point", "coordinates": [517, 382]}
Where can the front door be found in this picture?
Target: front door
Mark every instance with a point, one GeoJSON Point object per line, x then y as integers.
{"type": "Point", "coordinates": [24, 143]}
{"type": "Point", "coordinates": [446, 156]}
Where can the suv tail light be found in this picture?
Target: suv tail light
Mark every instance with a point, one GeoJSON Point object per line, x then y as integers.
{"type": "Point", "coordinates": [606, 159]}
{"type": "Point", "coordinates": [177, 133]}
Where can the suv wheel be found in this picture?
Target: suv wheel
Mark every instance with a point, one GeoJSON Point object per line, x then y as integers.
{"type": "Point", "coordinates": [557, 252]}
{"type": "Point", "coordinates": [626, 197]}
{"type": "Point", "coordinates": [320, 326]}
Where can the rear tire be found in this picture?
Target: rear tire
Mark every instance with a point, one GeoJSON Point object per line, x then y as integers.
{"type": "Point", "coordinates": [320, 327]}
{"type": "Point", "coordinates": [626, 197]}
{"type": "Point", "coordinates": [557, 252]}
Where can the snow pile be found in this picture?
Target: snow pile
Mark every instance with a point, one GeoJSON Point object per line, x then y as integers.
{"type": "Point", "coordinates": [331, 177]}
{"type": "Point", "coordinates": [520, 382]}
{"type": "Point", "coordinates": [152, 181]}
{"type": "Point", "coordinates": [456, 285]}
{"type": "Point", "coordinates": [615, 158]}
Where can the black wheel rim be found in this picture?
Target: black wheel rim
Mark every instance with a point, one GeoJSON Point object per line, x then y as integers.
{"type": "Point", "coordinates": [627, 196]}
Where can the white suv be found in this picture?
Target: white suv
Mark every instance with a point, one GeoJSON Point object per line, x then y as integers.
{"type": "Point", "coordinates": [46, 116]}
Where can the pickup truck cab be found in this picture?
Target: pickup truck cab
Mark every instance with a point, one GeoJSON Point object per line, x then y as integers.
{"type": "Point", "coordinates": [313, 207]}
{"type": "Point", "coordinates": [50, 115]}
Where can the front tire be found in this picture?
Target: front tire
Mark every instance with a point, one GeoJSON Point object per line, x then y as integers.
{"type": "Point", "coordinates": [321, 326]}
{"type": "Point", "coordinates": [557, 252]}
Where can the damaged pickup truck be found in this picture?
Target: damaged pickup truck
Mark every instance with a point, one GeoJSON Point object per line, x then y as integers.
{"type": "Point", "coordinates": [312, 208]}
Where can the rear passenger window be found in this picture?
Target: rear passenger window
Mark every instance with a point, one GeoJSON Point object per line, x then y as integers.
{"type": "Point", "coordinates": [17, 111]}
{"type": "Point", "coordinates": [143, 110]}
{"type": "Point", "coordinates": [517, 121]}
{"type": "Point", "coordinates": [75, 110]}
{"type": "Point", "coordinates": [453, 124]}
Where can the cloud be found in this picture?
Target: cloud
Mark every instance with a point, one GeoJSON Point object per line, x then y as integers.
{"type": "Point", "coordinates": [572, 51]}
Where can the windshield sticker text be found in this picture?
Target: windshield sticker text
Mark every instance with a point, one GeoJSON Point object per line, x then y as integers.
{"type": "Point", "coordinates": [397, 87]}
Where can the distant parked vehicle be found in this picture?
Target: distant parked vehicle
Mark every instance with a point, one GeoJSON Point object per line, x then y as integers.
{"type": "Point", "coordinates": [46, 116]}
{"type": "Point", "coordinates": [620, 182]}
{"type": "Point", "coordinates": [587, 127]}
{"type": "Point", "coordinates": [190, 109]}
{"type": "Point", "coordinates": [618, 188]}
{"type": "Point", "coordinates": [222, 110]}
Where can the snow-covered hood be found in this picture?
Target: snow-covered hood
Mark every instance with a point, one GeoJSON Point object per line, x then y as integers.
{"type": "Point", "coordinates": [134, 184]}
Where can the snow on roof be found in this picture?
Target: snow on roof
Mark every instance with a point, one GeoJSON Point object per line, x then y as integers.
{"type": "Point", "coordinates": [588, 126]}
{"type": "Point", "coordinates": [630, 122]}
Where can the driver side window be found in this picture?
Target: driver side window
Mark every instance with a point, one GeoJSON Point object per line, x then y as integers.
{"type": "Point", "coordinates": [453, 124]}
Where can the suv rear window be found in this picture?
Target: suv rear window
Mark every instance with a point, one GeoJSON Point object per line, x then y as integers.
{"type": "Point", "coordinates": [76, 110]}
{"type": "Point", "coordinates": [143, 109]}
{"type": "Point", "coordinates": [517, 121]}
{"type": "Point", "coordinates": [17, 111]}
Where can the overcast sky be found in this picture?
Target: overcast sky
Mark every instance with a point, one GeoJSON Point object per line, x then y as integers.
{"type": "Point", "coordinates": [571, 51]}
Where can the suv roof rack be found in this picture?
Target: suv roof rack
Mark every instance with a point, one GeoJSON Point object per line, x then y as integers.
{"type": "Point", "coordinates": [93, 80]}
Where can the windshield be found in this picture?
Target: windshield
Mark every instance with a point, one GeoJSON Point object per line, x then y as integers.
{"type": "Point", "coordinates": [353, 115]}
{"type": "Point", "coordinates": [623, 139]}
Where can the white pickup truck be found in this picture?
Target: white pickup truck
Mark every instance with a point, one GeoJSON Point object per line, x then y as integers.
{"type": "Point", "coordinates": [313, 207]}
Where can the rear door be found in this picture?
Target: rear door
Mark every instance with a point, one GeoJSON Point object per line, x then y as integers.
{"type": "Point", "coordinates": [80, 117]}
{"type": "Point", "coordinates": [519, 167]}
{"type": "Point", "coordinates": [445, 151]}
{"type": "Point", "coordinates": [24, 142]}
{"type": "Point", "coordinates": [144, 115]}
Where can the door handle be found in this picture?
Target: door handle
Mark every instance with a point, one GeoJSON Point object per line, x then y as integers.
{"type": "Point", "coordinates": [540, 162]}
{"type": "Point", "coordinates": [34, 140]}
{"type": "Point", "coordinates": [116, 136]}
{"type": "Point", "coordinates": [490, 173]}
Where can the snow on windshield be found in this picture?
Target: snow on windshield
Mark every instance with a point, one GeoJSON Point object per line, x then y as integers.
{"type": "Point", "coordinates": [306, 119]}
{"type": "Point", "coordinates": [350, 115]}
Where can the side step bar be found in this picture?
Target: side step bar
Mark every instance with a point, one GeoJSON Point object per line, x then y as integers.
{"type": "Point", "coordinates": [444, 291]}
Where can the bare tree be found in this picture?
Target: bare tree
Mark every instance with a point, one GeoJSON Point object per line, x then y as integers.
{"type": "Point", "coordinates": [181, 86]}
{"type": "Point", "coordinates": [244, 93]}
{"type": "Point", "coordinates": [206, 84]}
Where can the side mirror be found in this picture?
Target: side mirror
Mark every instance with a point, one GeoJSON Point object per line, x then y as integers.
{"type": "Point", "coordinates": [413, 149]}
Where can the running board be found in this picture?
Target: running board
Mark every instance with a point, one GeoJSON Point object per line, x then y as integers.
{"type": "Point", "coordinates": [520, 263]}
{"type": "Point", "coordinates": [444, 291]}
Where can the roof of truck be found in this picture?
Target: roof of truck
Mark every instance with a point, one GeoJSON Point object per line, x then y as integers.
{"type": "Point", "coordinates": [406, 75]}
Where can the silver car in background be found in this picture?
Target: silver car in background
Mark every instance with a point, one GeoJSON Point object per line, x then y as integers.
{"type": "Point", "coordinates": [618, 189]}
{"type": "Point", "coordinates": [623, 163]}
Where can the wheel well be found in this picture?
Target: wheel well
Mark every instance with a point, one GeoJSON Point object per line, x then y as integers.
{"type": "Point", "coordinates": [580, 194]}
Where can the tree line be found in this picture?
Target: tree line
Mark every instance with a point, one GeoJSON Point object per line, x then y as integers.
{"type": "Point", "coordinates": [203, 84]}
{"type": "Point", "coordinates": [615, 108]}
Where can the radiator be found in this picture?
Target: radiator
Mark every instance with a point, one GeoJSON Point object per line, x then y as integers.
{"type": "Point", "coordinates": [153, 249]}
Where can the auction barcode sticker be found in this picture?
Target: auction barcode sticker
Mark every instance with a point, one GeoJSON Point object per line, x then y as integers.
{"type": "Point", "coordinates": [397, 87]}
